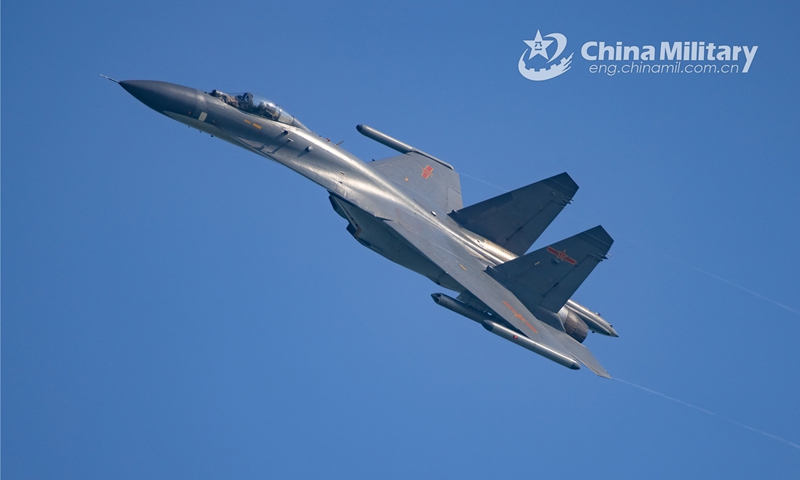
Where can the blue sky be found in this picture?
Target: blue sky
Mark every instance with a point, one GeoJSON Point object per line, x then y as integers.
{"type": "Point", "coordinates": [174, 307]}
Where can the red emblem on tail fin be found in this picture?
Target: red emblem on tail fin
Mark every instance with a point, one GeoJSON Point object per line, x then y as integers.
{"type": "Point", "coordinates": [427, 172]}
{"type": "Point", "coordinates": [562, 255]}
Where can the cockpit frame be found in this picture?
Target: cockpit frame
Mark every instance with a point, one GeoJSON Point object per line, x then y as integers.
{"type": "Point", "coordinates": [258, 105]}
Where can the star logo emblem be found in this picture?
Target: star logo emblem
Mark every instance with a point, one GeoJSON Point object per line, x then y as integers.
{"type": "Point", "coordinates": [555, 65]}
{"type": "Point", "coordinates": [538, 46]}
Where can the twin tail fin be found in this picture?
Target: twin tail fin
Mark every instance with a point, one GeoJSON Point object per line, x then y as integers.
{"type": "Point", "coordinates": [548, 277]}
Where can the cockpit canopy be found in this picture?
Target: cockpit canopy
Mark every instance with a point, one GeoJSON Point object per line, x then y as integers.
{"type": "Point", "coordinates": [258, 105]}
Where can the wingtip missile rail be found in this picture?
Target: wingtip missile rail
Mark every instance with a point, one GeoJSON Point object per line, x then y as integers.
{"type": "Point", "coordinates": [395, 144]}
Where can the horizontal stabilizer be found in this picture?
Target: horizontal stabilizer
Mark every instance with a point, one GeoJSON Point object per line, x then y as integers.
{"type": "Point", "coordinates": [516, 219]}
{"type": "Point", "coordinates": [548, 277]}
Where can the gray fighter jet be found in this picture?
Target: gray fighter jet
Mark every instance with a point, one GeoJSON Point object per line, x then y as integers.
{"type": "Point", "coordinates": [408, 209]}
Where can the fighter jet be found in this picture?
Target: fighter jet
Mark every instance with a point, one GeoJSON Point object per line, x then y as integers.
{"type": "Point", "coordinates": [408, 209]}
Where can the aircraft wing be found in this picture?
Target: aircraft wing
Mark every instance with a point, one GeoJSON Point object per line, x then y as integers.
{"type": "Point", "coordinates": [454, 258]}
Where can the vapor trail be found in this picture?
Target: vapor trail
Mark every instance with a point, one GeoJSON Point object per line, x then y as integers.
{"type": "Point", "coordinates": [709, 412]}
{"type": "Point", "coordinates": [717, 277]}
{"type": "Point", "coordinates": [484, 181]}
{"type": "Point", "coordinates": [755, 294]}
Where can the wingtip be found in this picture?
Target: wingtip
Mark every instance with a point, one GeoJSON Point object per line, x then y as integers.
{"type": "Point", "coordinates": [565, 181]}
{"type": "Point", "coordinates": [600, 234]}
{"type": "Point", "coordinates": [597, 369]}
{"type": "Point", "coordinates": [582, 354]}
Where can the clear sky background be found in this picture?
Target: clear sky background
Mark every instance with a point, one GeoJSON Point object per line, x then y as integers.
{"type": "Point", "coordinates": [175, 307]}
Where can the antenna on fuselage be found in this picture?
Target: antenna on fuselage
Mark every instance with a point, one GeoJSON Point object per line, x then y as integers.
{"type": "Point", "coordinates": [106, 76]}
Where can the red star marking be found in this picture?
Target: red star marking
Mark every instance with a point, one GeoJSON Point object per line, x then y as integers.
{"type": "Point", "coordinates": [427, 172]}
{"type": "Point", "coordinates": [562, 255]}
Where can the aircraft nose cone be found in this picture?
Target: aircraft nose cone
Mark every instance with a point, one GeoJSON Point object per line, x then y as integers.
{"type": "Point", "coordinates": [162, 96]}
{"type": "Point", "coordinates": [612, 331]}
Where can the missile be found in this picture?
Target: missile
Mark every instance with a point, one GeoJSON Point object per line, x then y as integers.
{"type": "Point", "coordinates": [488, 322]}
{"type": "Point", "coordinates": [395, 144]}
{"type": "Point", "coordinates": [381, 137]}
{"type": "Point", "coordinates": [526, 342]}
{"type": "Point", "coordinates": [461, 308]}
{"type": "Point", "coordinates": [593, 320]}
